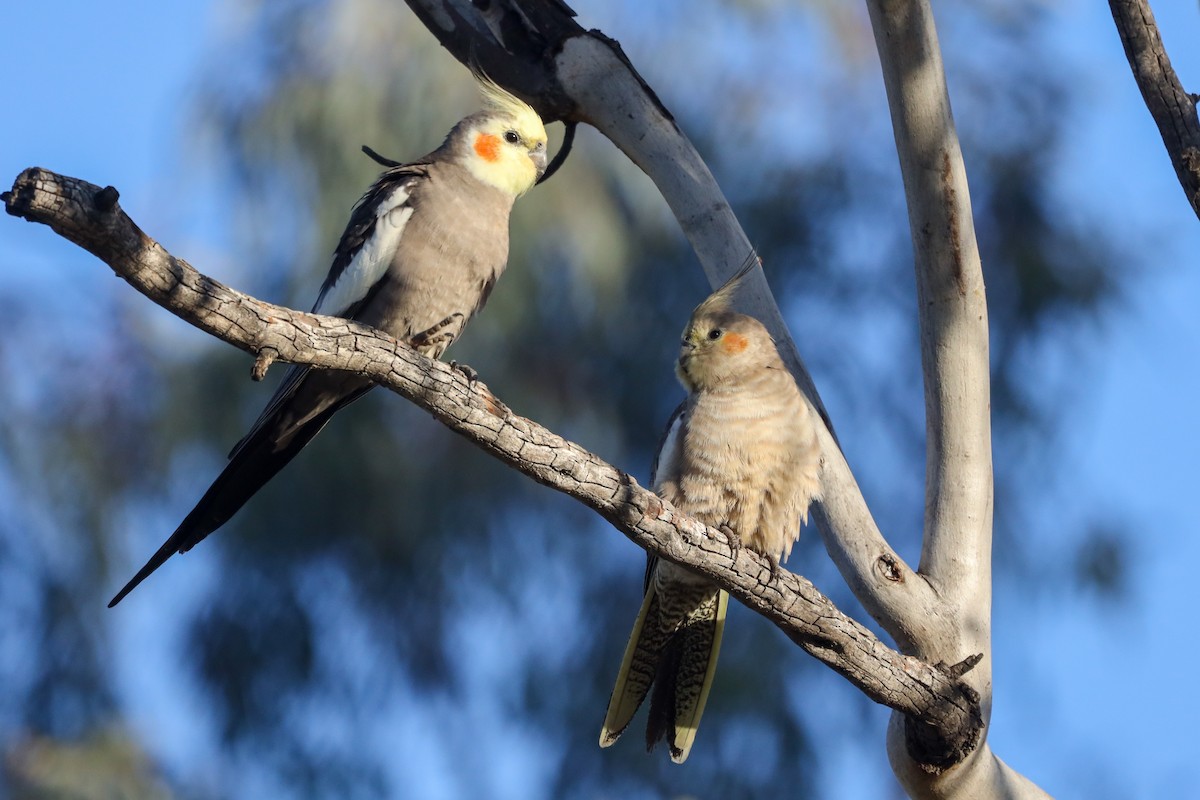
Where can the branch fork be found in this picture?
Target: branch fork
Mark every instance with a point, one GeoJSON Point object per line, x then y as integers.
{"type": "Point", "coordinates": [947, 710]}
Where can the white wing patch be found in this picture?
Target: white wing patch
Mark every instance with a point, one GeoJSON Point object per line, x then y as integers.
{"type": "Point", "coordinates": [668, 454]}
{"type": "Point", "coordinates": [372, 260]}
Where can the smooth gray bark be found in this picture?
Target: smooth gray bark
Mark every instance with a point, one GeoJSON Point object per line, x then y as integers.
{"type": "Point", "coordinates": [952, 312]}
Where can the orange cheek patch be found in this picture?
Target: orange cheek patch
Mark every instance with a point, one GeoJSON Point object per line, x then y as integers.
{"type": "Point", "coordinates": [487, 146]}
{"type": "Point", "coordinates": [734, 343]}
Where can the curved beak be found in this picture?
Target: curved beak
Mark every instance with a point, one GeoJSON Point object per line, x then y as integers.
{"type": "Point", "coordinates": [686, 346]}
{"type": "Point", "coordinates": [538, 157]}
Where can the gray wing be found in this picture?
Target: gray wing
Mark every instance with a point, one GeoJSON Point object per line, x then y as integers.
{"type": "Point", "coordinates": [306, 399]}
{"type": "Point", "coordinates": [359, 268]}
{"type": "Point", "coordinates": [364, 252]}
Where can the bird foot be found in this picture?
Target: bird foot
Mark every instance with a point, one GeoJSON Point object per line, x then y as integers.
{"type": "Point", "coordinates": [266, 357]}
{"type": "Point", "coordinates": [776, 567]}
{"type": "Point", "coordinates": [735, 541]}
{"type": "Point", "coordinates": [468, 372]}
{"type": "Point", "coordinates": [434, 341]}
{"type": "Point", "coordinates": [490, 402]}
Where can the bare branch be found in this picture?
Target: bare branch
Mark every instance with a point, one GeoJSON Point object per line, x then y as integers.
{"type": "Point", "coordinates": [538, 51]}
{"type": "Point", "coordinates": [951, 307]}
{"type": "Point", "coordinates": [952, 313]}
{"type": "Point", "coordinates": [1173, 109]}
{"type": "Point", "coordinates": [89, 216]}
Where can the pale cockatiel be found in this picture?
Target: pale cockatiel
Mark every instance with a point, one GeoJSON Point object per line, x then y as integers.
{"type": "Point", "coordinates": [422, 250]}
{"type": "Point", "coordinates": [741, 455]}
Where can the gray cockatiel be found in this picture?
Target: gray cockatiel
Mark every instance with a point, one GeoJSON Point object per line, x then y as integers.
{"type": "Point", "coordinates": [741, 455]}
{"type": "Point", "coordinates": [422, 250]}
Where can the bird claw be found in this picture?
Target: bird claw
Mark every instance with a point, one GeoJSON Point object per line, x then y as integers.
{"type": "Point", "coordinates": [735, 541]}
{"type": "Point", "coordinates": [490, 402]}
{"type": "Point", "coordinates": [262, 363]}
{"type": "Point", "coordinates": [468, 372]}
{"type": "Point", "coordinates": [776, 567]}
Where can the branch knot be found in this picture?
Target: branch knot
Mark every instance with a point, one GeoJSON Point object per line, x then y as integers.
{"type": "Point", "coordinates": [105, 200]}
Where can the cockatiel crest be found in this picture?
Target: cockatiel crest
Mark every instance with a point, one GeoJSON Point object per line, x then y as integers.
{"type": "Point", "coordinates": [507, 140]}
{"type": "Point", "coordinates": [722, 298]}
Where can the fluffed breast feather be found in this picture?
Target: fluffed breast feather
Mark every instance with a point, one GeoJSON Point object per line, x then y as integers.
{"type": "Point", "coordinates": [748, 459]}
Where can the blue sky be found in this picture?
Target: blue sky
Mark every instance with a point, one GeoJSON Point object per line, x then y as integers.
{"type": "Point", "coordinates": [96, 91]}
{"type": "Point", "coordinates": [1067, 666]}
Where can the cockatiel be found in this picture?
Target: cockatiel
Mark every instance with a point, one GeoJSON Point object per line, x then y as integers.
{"type": "Point", "coordinates": [422, 250]}
{"type": "Point", "coordinates": [741, 455]}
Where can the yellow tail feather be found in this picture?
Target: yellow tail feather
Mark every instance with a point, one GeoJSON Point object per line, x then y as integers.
{"type": "Point", "coordinates": [673, 646]}
{"type": "Point", "coordinates": [627, 697]}
{"type": "Point", "coordinates": [687, 720]}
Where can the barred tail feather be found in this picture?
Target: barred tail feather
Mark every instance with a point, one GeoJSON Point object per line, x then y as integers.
{"type": "Point", "coordinates": [677, 654]}
{"type": "Point", "coordinates": [637, 670]}
{"type": "Point", "coordinates": [700, 645]}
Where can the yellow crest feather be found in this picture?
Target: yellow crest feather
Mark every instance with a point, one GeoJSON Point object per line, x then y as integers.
{"type": "Point", "coordinates": [498, 100]}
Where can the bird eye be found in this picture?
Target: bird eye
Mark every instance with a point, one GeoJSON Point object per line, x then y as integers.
{"type": "Point", "coordinates": [512, 137]}
{"type": "Point", "coordinates": [714, 334]}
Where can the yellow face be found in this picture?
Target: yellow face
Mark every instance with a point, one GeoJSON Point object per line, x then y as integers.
{"type": "Point", "coordinates": [508, 153]}
{"type": "Point", "coordinates": [508, 143]}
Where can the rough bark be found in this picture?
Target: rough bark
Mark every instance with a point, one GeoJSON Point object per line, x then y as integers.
{"type": "Point", "coordinates": [1173, 109]}
{"type": "Point", "coordinates": [933, 695]}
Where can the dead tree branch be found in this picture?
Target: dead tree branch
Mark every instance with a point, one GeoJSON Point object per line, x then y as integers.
{"type": "Point", "coordinates": [1173, 109]}
{"type": "Point", "coordinates": [934, 697]}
